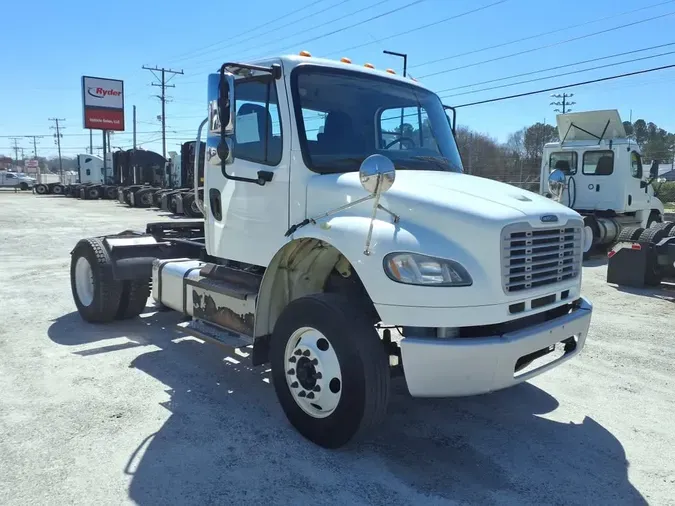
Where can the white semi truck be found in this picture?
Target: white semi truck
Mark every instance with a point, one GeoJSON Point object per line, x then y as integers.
{"type": "Point", "coordinates": [596, 169]}
{"type": "Point", "coordinates": [320, 238]}
{"type": "Point", "coordinates": [90, 169]}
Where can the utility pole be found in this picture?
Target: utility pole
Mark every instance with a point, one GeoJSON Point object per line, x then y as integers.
{"type": "Point", "coordinates": [91, 141]}
{"type": "Point", "coordinates": [564, 103]}
{"type": "Point", "coordinates": [57, 136]}
{"type": "Point", "coordinates": [163, 84]}
{"type": "Point", "coordinates": [35, 153]}
{"type": "Point", "coordinates": [16, 148]}
{"type": "Point", "coordinates": [134, 127]}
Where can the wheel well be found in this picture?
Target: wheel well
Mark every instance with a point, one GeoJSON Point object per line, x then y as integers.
{"type": "Point", "coordinates": [302, 267]}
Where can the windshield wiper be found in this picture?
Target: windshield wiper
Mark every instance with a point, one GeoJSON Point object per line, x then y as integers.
{"type": "Point", "coordinates": [439, 161]}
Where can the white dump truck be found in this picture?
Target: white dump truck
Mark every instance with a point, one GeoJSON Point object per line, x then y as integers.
{"type": "Point", "coordinates": [596, 169]}
{"type": "Point", "coordinates": [343, 259]}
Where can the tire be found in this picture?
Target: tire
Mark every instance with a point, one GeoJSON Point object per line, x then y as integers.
{"type": "Point", "coordinates": [652, 235]}
{"type": "Point", "coordinates": [190, 208]}
{"type": "Point", "coordinates": [23, 186]}
{"type": "Point", "coordinates": [58, 189]}
{"type": "Point", "coordinates": [667, 226]}
{"type": "Point", "coordinates": [143, 198]}
{"type": "Point", "coordinates": [362, 371]}
{"type": "Point", "coordinates": [98, 299]}
{"type": "Point", "coordinates": [591, 233]}
{"type": "Point", "coordinates": [671, 233]}
{"type": "Point", "coordinates": [111, 193]}
{"type": "Point", "coordinates": [41, 189]}
{"type": "Point", "coordinates": [629, 234]}
{"type": "Point", "coordinates": [133, 299]}
{"type": "Point", "coordinates": [93, 193]}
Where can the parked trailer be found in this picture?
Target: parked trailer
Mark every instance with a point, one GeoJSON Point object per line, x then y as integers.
{"type": "Point", "coordinates": [303, 255]}
{"type": "Point", "coordinates": [597, 170]}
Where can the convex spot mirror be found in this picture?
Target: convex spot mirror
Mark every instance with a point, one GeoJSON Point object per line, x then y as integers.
{"type": "Point", "coordinates": [377, 174]}
{"type": "Point", "coordinates": [556, 182]}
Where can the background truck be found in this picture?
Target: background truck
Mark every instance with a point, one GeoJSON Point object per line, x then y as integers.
{"type": "Point", "coordinates": [596, 169]}
{"type": "Point", "coordinates": [90, 172]}
{"type": "Point", "coordinates": [341, 259]}
{"type": "Point", "coordinates": [182, 200]}
{"type": "Point", "coordinates": [17, 180]}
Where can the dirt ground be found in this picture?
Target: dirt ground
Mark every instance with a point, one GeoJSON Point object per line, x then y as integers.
{"type": "Point", "coordinates": [134, 412]}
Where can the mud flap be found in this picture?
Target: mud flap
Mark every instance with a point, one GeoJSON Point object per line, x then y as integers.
{"type": "Point", "coordinates": [630, 264]}
{"type": "Point", "coordinates": [132, 256]}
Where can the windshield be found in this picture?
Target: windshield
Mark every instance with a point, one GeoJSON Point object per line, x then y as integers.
{"type": "Point", "coordinates": [344, 117]}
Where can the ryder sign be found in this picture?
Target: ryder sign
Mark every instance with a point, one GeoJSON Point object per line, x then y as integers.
{"type": "Point", "coordinates": [103, 103]}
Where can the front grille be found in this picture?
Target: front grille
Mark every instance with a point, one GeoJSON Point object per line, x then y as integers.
{"type": "Point", "coordinates": [535, 257]}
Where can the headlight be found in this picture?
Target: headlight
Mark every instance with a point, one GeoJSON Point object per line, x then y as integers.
{"type": "Point", "coordinates": [416, 269]}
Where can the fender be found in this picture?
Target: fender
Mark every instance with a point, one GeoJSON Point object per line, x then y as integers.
{"type": "Point", "coordinates": [346, 235]}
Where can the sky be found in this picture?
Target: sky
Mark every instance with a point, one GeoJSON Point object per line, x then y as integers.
{"type": "Point", "coordinates": [49, 45]}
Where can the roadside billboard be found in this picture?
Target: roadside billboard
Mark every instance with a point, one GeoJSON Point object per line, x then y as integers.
{"type": "Point", "coordinates": [103, 103]}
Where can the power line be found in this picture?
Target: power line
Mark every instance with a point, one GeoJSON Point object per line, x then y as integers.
{"type": "Point", "coordinates": [561, 75]}
{"type": "Point", "coordinates": [163, 84]}
{"type": "Point", "coordinates": [556, 88]}
{"type": "Point", "coordinates": [354, 25]}
{"type": "Point", "coordinates": [445, 20]}
{"type": "Point", "coordinates": [229, 43]}
{"type": "Point", "coordinates": [230, 40]}
{"type": "Point", "coordinates": [547, 46]}
{"type": "Point", "coordinates": [555, 68]}
{"type": "Point", "coordinates": [547, 33]}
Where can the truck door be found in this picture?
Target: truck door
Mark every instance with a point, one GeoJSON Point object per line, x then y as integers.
{"type": "Point", "coordinates": [246, 221]}
{"type": "Point", "coordinates": [596, 187]}
{"type": "Point", "coordinates": [638, 197]}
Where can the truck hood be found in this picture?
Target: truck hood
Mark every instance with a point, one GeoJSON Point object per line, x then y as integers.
{"type": "Point", "coordinates": [449, 196]}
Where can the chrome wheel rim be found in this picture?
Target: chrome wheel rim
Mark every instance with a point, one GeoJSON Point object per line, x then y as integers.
{"type": "Point", "coordinates": [313, 372]}
{"type": "Point", "coordinates": [84, 281]}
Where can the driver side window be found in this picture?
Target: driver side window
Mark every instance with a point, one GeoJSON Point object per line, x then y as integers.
{"type": "Point", "coordinates": [406, 128]}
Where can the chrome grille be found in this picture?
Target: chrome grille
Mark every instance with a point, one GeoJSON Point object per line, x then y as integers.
{"type": "Point", "coordinates": [535, 257]}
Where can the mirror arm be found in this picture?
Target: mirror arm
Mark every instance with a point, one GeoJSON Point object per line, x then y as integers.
{"type": "Point", "coordinates": [264, 176]}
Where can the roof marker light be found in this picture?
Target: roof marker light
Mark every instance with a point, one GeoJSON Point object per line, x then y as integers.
{"type": "Point", "coordinates": [391, 71]}
{"type": "Point", "coordinates": [344, 59]}
{"type": "Point", "coordinates": [305, 53]}
{"type": "Point", "coordinates": [369, 65]}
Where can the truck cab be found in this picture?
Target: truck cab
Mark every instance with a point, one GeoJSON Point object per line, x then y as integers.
{"type": "Point", "coordinates": [604, 179]}
{"type": "Point", "coordinates": [343, 243]}
{"type": "Point", "coordinates": [90, 169]}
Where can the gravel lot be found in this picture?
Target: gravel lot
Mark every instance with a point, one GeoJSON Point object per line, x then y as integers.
{"type": "Point", "coordinates": [135, 413]}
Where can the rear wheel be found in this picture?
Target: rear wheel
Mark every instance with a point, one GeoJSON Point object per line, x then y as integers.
{"type": "Point", "coordinates": [41, 189]}
{"type": "Point", "coordinates": [111, 193]}
{"type": "Point", "coordinates": [133, 299]}
{"type": "Point", "coordinates": [652, 236]}
{"type": "Point", "coordinates": [93, 193]}
{"type": "Point", "coordinates": [330, 369]}
{"type": "Point", "coordinates": [95, 292]}
{"type": "Point", "coordinates": [58, 189]}
{"type": "Point", "coordinates": [190, 208]}
{"type": "Point", "coordinates": [654, 217]}
{"type": "Point", "coordinates": [173, 204]}
{"type": "Point", "coordinates": [143, 198]}
{"type": "Point", "coordinates": [629, 234]}
{"type": "Point", "coordinates": [665, 226]}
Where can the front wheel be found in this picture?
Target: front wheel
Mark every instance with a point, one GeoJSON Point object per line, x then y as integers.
{"type": "Point", "coordinates": [329, 368]}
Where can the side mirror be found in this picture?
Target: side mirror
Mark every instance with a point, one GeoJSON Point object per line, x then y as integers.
{"type": "Point", "coordinates": [225, 110]}
{"type": "Point", "coordinates": [556, 183]}
{"type": "Point", "coordinates": [377, 174]}
{"type": "Point", "coordinates": [654, 169]}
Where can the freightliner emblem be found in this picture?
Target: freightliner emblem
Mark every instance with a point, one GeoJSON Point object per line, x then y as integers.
{"type": "Point", "coordinates": [549, 218]}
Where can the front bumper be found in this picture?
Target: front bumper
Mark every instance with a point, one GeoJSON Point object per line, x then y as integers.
{"type": "Point", "coordinates": [470, 366]}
